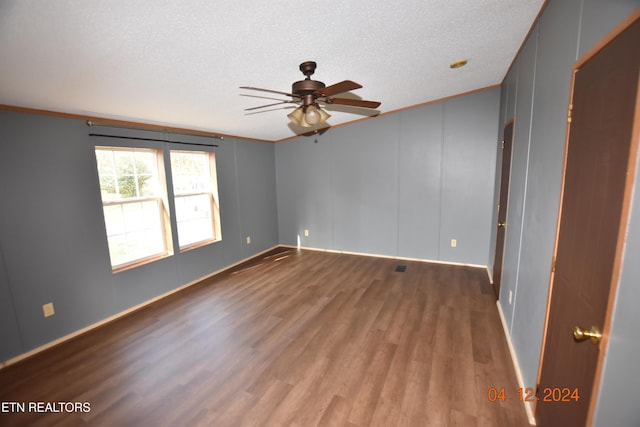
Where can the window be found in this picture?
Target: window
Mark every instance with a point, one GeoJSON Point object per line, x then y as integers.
{"type": "Point", "coordinates": [133, 200]}
{"type": "Point", "coordinates": [196, 198]}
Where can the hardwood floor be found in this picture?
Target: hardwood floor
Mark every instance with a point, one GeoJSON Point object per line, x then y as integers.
{"type": "Point", "coordinates": [298, 338]}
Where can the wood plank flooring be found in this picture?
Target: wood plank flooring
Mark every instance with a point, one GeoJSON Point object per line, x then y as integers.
{"type": "Point", "coordinates": [293, 338]}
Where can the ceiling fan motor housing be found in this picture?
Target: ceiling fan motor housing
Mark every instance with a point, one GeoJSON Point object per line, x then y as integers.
{"type": "Point", "coordinates": [305, 88]}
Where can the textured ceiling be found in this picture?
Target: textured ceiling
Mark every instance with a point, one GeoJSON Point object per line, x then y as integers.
{"type": "Point", "coordinates": [180, 63]}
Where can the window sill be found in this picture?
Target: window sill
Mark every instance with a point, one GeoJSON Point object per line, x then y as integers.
{"type": "Point", "coordinates": [140, 262]}
{"type": "Point", "coordinates": [200, 244]}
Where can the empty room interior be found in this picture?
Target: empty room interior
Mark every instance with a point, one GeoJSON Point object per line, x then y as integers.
{"type": "Point", "coordinates": [320, 214]}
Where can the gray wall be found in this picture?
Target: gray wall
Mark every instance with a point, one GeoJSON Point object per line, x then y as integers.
{"type": "Point", "coordinates": [536, 94]}
{"type": "Point", "coordinates": [403, 184]}
{"type": "Point", "coordinates": [52, 239]}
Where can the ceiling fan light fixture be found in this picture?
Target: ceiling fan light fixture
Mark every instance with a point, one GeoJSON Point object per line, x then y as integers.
{"type": "Point", "coordinates": [296, 116]}
{"type": "Point", "coordinates": [308, 116]}
{"type": "Point", "coordinates": [311, 115]}
{"type": "Point", "coordinates": [323, 115]}
{"type": "Point", "coordinates": [315, 115]}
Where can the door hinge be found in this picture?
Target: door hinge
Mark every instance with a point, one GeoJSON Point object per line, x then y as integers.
{"type": "Point", "coordinates": [569, 113]}
{"type": "Point", "coordinates": [553, 265]}
{"type": "Point", "coordinates": [503, 144]}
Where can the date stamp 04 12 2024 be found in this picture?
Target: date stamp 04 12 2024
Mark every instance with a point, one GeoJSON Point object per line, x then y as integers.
{"type": "Point", "coordinates": [549, 394]}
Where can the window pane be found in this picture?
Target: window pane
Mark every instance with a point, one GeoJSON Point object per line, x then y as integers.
{"type": "Point", "coordinates": [125, 174]}
{"type": "Point", "coordinates": [118, 249]}
{"type": "Point", "coordinates": [194, 219]}
{"type": "Point", "coordinates": [144, 243]}
{"type": "Point", "coordinates": [113, 220]}
{"type": "Point", "coordinates": [191, 172]}
{"type": "Point", "coordinates": [134, 231]}
{"type": "Point", "coordinates": [135, 218]}
{"type": "Point", "coordinates": [108, 187]}
{"type": "Point", "coordinates": [145, 162]}
{"type": "Point", "coordinates": [145, 169]}
{"type": "Point", "coordinates": [106, 172]}
{"type": "Point", "coordinates": [146, 185]}
{"type": "Point", "coordinates": [152, 214]}
{"type": "Point", "coordinates": [104, 160]}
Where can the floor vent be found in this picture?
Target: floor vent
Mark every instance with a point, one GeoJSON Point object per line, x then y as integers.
{"type": "Point", "coordinates": [401, 268]}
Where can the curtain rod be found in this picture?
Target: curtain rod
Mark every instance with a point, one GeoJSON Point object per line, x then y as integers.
{"type": "Point", "coordinates": [151, 139]}
{"type": "Point", "coordinates": [92, 123]}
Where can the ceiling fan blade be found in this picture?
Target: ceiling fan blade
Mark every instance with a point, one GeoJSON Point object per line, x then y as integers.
{"type": "Point", "coordinates": [262, 97]}
{"type": "Point", "coordinates": [271, 105]}
{"type": "Point", "coordinates": [353, 102]}
{"type": "Point", "coordinates": [270, 91]}
{"type": "Point", "coordinates": [343, 86]}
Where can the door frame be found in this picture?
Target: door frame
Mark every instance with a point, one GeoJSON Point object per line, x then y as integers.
{"type": "Point", "coordinates": [625, 211]}
{"type": "Point", "coordinates": [510, 122]}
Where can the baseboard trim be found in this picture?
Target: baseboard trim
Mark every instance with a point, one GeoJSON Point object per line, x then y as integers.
{"type": "Point", "coordinates": [126, 312]}
{"type": "Point", "coordinates": [528, 406]}
{"type": "Point", "coordinates": [334, 251]}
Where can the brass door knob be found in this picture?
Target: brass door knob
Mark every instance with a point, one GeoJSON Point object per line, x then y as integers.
{"type": "Point", "coordinates": [502, 224]}
{"type": "Point", "coordinates": [592, 334]}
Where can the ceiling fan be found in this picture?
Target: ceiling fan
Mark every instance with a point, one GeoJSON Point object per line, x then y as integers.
{"type": "Point", "coordinates": [309, 94]}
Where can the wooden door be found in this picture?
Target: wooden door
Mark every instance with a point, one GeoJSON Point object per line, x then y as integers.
{"type": "Point", "coordinates": [507, 144]}
{"type": "Point", "coordinates": [598, 175]}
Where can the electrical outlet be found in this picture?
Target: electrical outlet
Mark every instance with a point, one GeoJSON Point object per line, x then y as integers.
{"type": "Point", "coordinates": [454, 243]}
{"type": "Point", "coordinates": [248, 240]}
{"type": "Point", "coordinates": [47, 310]}
{"type": "Point", "coordinates": [510, 296]}
{"type": "Point", "coordinates": [306, 232]}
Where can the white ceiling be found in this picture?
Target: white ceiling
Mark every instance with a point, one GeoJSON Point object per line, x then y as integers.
{"type": "Point", "coordinates": [180, 63]}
